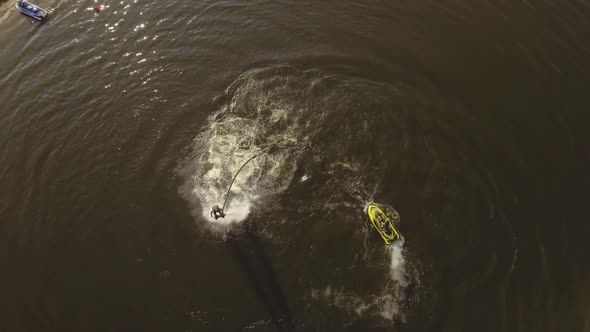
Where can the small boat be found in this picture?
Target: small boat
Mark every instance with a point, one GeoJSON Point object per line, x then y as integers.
{"type": "Point", "coordinates": [31, 10]}
{"type": "Point", "coordinates": [382, 224]}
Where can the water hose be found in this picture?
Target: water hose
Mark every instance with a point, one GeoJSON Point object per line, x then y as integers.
{"type": "Point", "coordinates": [234, 179]}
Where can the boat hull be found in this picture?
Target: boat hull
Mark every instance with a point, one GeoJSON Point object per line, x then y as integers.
{"type": "Point", "coordinates": [31, 10]}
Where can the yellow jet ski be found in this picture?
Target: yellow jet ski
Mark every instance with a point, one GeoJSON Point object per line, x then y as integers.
{"type": "Point", "coordinates": [383, 225]}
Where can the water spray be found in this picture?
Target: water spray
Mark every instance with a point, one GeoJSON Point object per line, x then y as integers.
{"type": "Point", "coordinates": [217, 212]}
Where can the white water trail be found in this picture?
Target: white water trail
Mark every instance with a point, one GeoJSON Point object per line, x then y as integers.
{"type": "Point", "coordinates": [397, 272]}
{"type": "Point", "coordinates": [390, 308]}
{"type": "Point", "coordinates": [397, 267]}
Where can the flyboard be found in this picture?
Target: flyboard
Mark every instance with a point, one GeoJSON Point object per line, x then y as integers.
{"type": "Point", "coordinates": [382, 224]}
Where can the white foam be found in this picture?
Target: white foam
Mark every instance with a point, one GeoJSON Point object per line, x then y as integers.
{"type": "Point", "coordinates": [223, 150]}
{"type": "Point", "coordinates": [390, 308]}
{"type": "Point", "coordinates": [262, 115]}
{"type": "Point", "coordinates": [397, 267]}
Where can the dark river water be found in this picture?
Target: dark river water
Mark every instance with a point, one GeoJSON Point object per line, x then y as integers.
{"type": "Point", "coordinates": [465, 121]}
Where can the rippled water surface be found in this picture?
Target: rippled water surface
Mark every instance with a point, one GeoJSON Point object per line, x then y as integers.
{"type": "Point", "coordinates": [466, 122]}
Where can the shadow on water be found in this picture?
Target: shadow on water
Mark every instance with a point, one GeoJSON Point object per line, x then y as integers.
{"type": "Point", "coordinates": [249, 253]}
